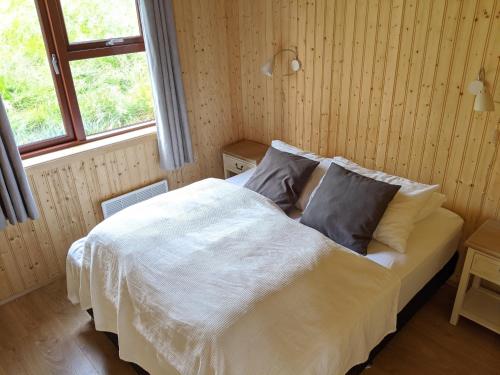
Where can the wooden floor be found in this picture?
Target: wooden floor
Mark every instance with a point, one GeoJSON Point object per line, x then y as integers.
{"type": "Point", "coordinates": [42, 333]}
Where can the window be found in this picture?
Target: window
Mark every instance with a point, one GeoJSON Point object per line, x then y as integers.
{"type": "Point", "coordinates": [72, 71]}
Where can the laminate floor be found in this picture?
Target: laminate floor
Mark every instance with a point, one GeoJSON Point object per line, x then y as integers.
{"type": "Point", "coordinates": [42, 333]}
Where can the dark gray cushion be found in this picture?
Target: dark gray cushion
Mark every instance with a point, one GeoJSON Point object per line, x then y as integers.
{"type": "Point", "coordinates": [347, 207]}
{"type": "Point", "coordinates": [281, 176]}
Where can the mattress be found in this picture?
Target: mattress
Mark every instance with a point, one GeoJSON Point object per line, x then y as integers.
{"type": "Point", "coordinates": [430, 246]}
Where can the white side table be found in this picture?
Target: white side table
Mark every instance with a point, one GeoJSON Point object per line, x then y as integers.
{"type": "Point", "coordinates": [241, 156]}
{"type": "Point", "coordinates": [482, 262]}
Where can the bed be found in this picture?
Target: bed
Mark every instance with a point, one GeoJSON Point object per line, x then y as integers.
{"type": "Point", "coordinates": [398, 278]}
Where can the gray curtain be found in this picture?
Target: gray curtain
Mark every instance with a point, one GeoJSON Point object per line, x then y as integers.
{"type": "Point", "coordinates": [16, 201]}
{"type": "Point", "coordinates": [174, 139]}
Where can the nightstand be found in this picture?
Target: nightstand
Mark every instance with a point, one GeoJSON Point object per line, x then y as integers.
{"type": "Point", "coordinates": [482, 262]}
{"type": "Point", "coordinates": [241, 156]}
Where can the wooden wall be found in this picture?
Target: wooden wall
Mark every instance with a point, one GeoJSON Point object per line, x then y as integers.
{"type": "Point", "coordinates": [69, 191]}
{"type": "Point", "coordinates": [383, 83]}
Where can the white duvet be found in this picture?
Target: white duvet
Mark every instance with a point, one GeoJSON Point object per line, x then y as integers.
{"type": "Point", "coordinates": [215, 279]}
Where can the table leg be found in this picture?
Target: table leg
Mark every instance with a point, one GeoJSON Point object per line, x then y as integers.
{"type": "Point", "coordinates": [462, 287]}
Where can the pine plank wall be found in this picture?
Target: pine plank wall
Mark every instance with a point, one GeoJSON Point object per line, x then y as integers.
{"type": "Point", "coordinates": [383, 83]}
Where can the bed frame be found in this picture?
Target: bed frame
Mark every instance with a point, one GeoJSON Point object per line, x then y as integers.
{"type": "Point", "coordinates": [403, 317]}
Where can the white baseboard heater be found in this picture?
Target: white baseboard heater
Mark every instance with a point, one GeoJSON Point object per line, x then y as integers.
{"type": "Point", "coordinates": [114, 205]}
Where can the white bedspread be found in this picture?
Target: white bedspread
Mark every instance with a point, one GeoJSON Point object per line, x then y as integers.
{"type": "Point", "coordinates": [215, 279]}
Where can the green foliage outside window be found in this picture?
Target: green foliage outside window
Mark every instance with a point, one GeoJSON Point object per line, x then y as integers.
{"type": "Point", "coordinates": [112, 91]}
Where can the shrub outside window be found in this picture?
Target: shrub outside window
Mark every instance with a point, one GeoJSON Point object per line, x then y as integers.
{"type": "Point", "coordinates": [72, 72]}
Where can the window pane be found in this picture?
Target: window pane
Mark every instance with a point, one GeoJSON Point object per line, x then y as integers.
{"type": "Point", "coordinates": [113, 91]}
{"type": "Point", "coordinates": [99, 19]}
{"type": "Point", "coordinates": [25, 80]}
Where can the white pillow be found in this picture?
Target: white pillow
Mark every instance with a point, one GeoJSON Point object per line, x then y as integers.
{"type": "Point", "coordinates": [285, 147]}
{"type": "Point", "coordinates": [313, 183]}
{"type": "Point", "coordinates": [435, 201]}
{"type": "Point", "coordinates": [315, 177]}
{"type": "Point", "coordinates": [398, 220]}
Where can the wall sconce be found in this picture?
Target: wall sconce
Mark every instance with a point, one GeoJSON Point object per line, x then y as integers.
{"type": "Point", "coordinates": [268, 67]}
{"type": "Point", "coordinates": [483, 101]}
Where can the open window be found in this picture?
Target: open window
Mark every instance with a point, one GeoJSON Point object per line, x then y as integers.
{"type": "Point", "coordinates": [72, 71]}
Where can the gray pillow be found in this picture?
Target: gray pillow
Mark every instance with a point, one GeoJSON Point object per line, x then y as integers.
{"type": "Point", "coordinates": [347, 207]}
{"type": "Point", "coordinates": [281, 176]}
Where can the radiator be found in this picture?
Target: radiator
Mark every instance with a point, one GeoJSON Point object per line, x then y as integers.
{"type": "Point", "coordinates": [114, 205]}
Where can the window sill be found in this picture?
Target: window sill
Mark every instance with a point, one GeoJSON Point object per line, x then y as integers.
{"type": "Point", "coordinates": [79, 151]}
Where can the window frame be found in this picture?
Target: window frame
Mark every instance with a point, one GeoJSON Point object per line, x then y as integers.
{"type": "Point", "coordinates": [56, 42]}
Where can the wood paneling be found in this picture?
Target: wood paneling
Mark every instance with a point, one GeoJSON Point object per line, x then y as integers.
{"type": "Point", "coordinates": [383, 83]}
{"type": "Point", "coordinates": [69, 190]}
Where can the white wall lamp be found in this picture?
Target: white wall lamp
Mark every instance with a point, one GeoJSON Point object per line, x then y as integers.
{"type": "Point", "coordinates": [483, 101]}
{"type": "Point", "coordinates": [268, 67]}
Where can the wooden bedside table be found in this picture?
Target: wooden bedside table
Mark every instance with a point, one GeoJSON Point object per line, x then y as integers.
{"type": "Point", "coordinates": [241, 156]}
{"type": "Point", "coordinates": [482, 262]}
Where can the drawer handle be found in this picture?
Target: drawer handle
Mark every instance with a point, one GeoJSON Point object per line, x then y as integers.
{"type": "Point", "coordinates": [238, 167]}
